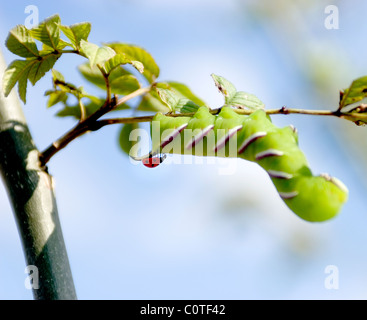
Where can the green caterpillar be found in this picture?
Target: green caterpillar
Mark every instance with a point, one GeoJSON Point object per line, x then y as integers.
{"type": "Point", "coordinates": [254, 138]}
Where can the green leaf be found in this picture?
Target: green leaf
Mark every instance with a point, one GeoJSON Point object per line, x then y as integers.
{"type": "Point", "coordinates": [48, 32]}
{"type": "Point", "coordinates": [168, 97]}
{"type": "Point", "coordinates": [184, 91]}
{"type": "Point", "coordinates": [89, 96]}
{"type": "Point", "coordinates": [62, 44]}
{"type": "Point", "coordinates": [69, 88]}
{"type": "Point", "coordinates": [178, 97]}
{"type": "Point", "coordinates": [138, 66]}
{"type": "Point", "coordinates": [76, 33]}
{"type": "Point", "coordinates": [93, 75]}
{"type": "Point", "coordinates": [174, 101]}
{"type": "Point", "coordinates": [74, 111]}
{"type": "Point", "coordinates": [22, 86]}
{"type": "Point", "coordinates": [135, 53]}
{"type": "Point", "coordinates": [121, 81]}
{"type": "Point", "coordinates": [246, 100]}
{"type": "Point", "coordinates": [57, 76]}
{"type": "Point", "coordinates": [225, 87]}
{"type": "Point", "coordinates": [356, 92]}
{"type": "Point", "coordinates": [189, 107]}
{"type": "Point", "coordinates": [116, 61]}
{"type": "Point", "coordinates": [41, 66]}
{"type": "Point", "coordinates": [124, 137]}
{"type": "Point", "coordinates": [124, 85]}
{"type": "Point", "coordinates": [17, 71]}
{"type": "Point", "coordinates": [121, 59]}
{"type": "Point", "coordinates": [97, 55]}
{"type": "Point", "coordinates": [152, 102]}
{"type": "Point", "coordinates": [235, 98]}
{"type": "Point", "coordinates": [46, 50]}
{"type": "Point", "coordinates": [21, 43]}
{"type": "Point", "coordinates": [55, 97]}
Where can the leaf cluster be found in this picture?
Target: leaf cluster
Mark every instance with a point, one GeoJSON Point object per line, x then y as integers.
{"type": "Point", "coordinates": [116, 68]}
{"type": "Point", "coordinates": [350, 104]}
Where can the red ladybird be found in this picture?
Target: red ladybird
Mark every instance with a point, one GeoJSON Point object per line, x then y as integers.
{"type": "Point", "coordinates": [154, 161]}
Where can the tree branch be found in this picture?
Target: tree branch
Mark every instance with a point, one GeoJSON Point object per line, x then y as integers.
{"type": "Point", "coordinates": [86, 125]}
{"type": "Point", "coordinates": [284, 110]}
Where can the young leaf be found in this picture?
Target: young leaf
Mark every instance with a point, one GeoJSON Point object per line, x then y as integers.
{"type": "Point", "coordinates": [57, 76]}
{"type": "Point", "coordinates": [55, 97]}
{"type": "Point", "coordinates": [138, 66]}
{"type": "Point", "coordinates": [121, 81]}
{"type": "Point", "coordinates": [135, 53]}
{"type": "Point", "coordinates": [189, 103]}
{"type": "Point", "coordinates": [21, 43]}
{"type": "Point", "coordinates": [152, 102]}
{"type": "Point", "coordinates": [174, 101]}
{"type": "Point", "coordinates": [22, 86]}
{"type": "Point", "coordinates": [168, 97]}
{"type": "Point", "coordinates": [232, 97]}
{"type": "Point", "coordinates": [62, 44]}
{"type": "Point", "coordinates": [246, 100]}
{"type": "Point", "coordinates": [74, 111]}
{"type": "Point", "coordinates": [17, 71]}
{"type": "Point", "coordinates": [93, 75]}
{"type": "Point", "coordinates": [124, 137]}
{"type": "Point", "coordinates": [40, 67]}
{"type": "Point", "coordinates": [185, 92]}
{"type": "Point", "coordinates": [116, 61]}
{"type": "Point", "coordinates": [356, 92]}
{"type": "Point", "coordinates": [69, 88]}
{"type": "Point", "coordinates": [48, 32]}
{"type": "Point", "coordinates": [46, 50]}
{"type": "Point", "coordinates": [225, 87]}
{"type": "Point", "coordinates": [76, 33]}
{"type": "Point", "coordinates": [124, 84]}
{"type": "Point", "coordinates": [189, 107]}
{"type": "Point", "coordinates": [97, 55]}
{"type": "Point", "coordinates": [120, 59]}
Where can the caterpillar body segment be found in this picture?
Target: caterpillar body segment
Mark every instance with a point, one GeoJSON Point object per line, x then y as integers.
{"type": "Point", "coordinates": [254, 138]}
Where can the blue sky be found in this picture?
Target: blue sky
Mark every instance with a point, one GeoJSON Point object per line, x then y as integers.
{"type": "Point", "coordinates": [187, 231]}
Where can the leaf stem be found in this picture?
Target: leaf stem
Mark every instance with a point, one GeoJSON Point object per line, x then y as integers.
{"type": "Point", "coordinates": [108, 85]}
{"type": "Point", "coordinates": [82, 109]}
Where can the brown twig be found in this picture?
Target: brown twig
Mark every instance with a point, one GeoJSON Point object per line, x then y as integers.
{"type": "Point", "coordinates": [88, 124]}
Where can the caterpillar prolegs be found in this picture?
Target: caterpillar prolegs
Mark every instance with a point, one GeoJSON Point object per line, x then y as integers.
{"type": "Point", "coordinates": [254, 138]}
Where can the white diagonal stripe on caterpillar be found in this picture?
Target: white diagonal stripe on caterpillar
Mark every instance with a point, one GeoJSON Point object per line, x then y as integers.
{"type": "Point", "coordinates": [334, 180]}
{"type": "Point", "coordinates": [268, 153]}
{"type": "Point", "coordinates": [173, 135]}
{"type": "Point", "coordinates": [293, 128]}
{"type": "Point", "coordinates": [250, 140]}
{"type": "Point", "coordinates": [222, 142]}
{"type": "Point", "coordinates": [199, 136]}
{"type": "Point", "coordinates": [288, 195]}
{"type": "Point", "coordinates": [280, 174]}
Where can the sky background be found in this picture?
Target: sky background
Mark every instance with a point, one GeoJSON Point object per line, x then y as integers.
{"type": "Point", "coordinates": [190, 231]}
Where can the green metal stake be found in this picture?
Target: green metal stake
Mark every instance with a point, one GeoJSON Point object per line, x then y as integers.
{"type": "Point", "coordinates": [30, 191]}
